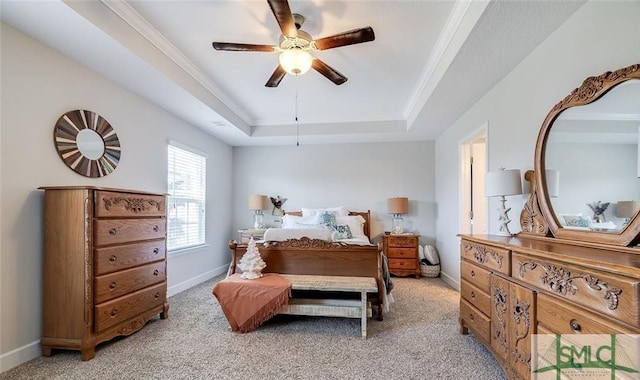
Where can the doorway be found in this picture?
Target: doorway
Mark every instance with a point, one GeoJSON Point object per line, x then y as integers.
{"type": "Point", "coordinates": [473, 163]}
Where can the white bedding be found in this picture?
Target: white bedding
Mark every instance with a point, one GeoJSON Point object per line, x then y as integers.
{"type": "Point", "coordinates": [281, 234]}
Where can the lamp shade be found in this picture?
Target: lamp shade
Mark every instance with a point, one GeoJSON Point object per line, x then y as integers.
{"type": "Point", "coordinates": [627, 209]}
{"type": "Point", "coordinates": [296, 61]}
{"type": "Point", "coordinates": [258, 202]}
{"type": "Point", "coordinates": [503, 182]}
{"type": "Point", "coordinates": [553, 183]}
{"type": "Point", "coordinates": [398, 205]}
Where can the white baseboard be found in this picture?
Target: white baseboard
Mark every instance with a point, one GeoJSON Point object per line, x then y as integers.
{"type": "Point", "coordinates": [20, 355]}
{"type": "Point", "coordinates": [181, 287]}
{"type": "Point", "coordinates": [454, 283]}
{"type": "Point", "coordinates": [32, 350]}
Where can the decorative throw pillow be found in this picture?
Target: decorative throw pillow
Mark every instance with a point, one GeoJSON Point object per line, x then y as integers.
{"type": "Point", "coordinates": [327, 219]}
{"type": "Point", "coordinates": [344, 232]}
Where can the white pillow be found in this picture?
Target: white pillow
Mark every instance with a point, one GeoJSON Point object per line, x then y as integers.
{"type": "Point", "coordinates": [355, 223]}
{"type": "Point", "coordinates": [337, 211]}
{"type": "Point", "coordinates": [294, 221]}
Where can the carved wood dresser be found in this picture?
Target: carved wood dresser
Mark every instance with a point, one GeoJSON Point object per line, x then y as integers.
{"type": "Point", "coordinates": [555, 277]}
{"type": "Point", "coordinates": [104, 265]}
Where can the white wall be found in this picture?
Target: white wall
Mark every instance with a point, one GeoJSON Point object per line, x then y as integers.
{"type": "Point", "coordinates": [600, 36]}
{"type": "Point", "coordinates": [360, 176]}
{"type": "Point", "coordinates": [38, 86]}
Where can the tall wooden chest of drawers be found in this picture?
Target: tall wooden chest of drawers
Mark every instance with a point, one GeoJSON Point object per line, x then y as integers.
{"type": "Point", "coordinates": [104, 265]}
{"type": "Point", "coordinates": [402, 253]}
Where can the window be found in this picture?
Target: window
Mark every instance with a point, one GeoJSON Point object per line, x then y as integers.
{"type": "Point", "coordinates": [187, 188]}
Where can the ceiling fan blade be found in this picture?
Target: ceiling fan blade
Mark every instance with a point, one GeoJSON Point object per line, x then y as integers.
{"type": "Point", "coordinates": [229, 46]}
{"type": "Point", "coordinates": [329, 72]}
{"type": "Point", "coordinates": [282, 13]}
{"type": "Point", "coordinates": [276, 77]}
{"type": "Point", "coordinates": [351, 37]}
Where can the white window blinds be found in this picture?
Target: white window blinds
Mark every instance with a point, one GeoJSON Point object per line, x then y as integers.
{"type": "Point", "coordinates": [187, 194]}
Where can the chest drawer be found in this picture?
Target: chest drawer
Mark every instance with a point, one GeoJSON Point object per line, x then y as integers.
{"type": "Point", "coordinates": [121, 257]}
{"type": "Point", "coordinates": [402, 264]}
{"type": "Point", "coordinates": [110, 313]}
{"type": "Point", "coordinates": [117, 284]}
{"type": "Point", "coordinates": [402, 241]}
{"type": "Point", "coordinates": [475, 275]}
{"type": "Point", "coordinates": [564, 318]}
{"type": "Point", "coordinates": [114, 231]}
{"type": "Point", "coordinates": [401, 253]}
{"type": "Point", "coordinates": [476, 297]}
{"type": "Point", "coordinates": [492, 257]}
{"type": "Point", "coordinates": [616, 297]}
{"type": "Point", "coordinates": [477, 321]}
{"type": "Point", "coordinates": [117, 204]}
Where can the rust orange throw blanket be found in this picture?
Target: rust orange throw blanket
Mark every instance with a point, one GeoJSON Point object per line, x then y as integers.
{"type": "Point", "coordinates": [249, 303]}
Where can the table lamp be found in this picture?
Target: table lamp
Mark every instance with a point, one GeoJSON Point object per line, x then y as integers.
{"type": "Point", "coordinates": [501, 183]}
{"type": "Point", "coordinates": [626, 210]}
{"type": "Point", "coordinates": [397, 206]}
{"type": "Point", "coordinates": [258, 203]}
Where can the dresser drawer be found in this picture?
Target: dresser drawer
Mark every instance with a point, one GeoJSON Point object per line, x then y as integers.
{"type": "Point", "coordinates": [564, 318]}
{"type": "Point", "coordinates": [476, 297]}
{"type": "Point", "coordinates": [402, 253]}
{"type": "Point", "coordinates": [494, 258]}
{"type": "Point", "coordinates": [117, 284]}
{"type": "Point", "coordinates": [475, 320]}
{"type": "Point", "coordinates": [616, 297]}
{"type": "Point", "coordinates": [112, 312]}
{"type": "Point", "coordinates": [475, 275]}
{"type": "Point", "coordinates": [114, 231]}
{"type": "Point", "coordinates": [402, 241]}
{"type": "Point", "coordinates": [113, 259]}
{"type": "Point", "coordinates": [117, 204]}
{"type": "Point", "coordinates": [403, 264]}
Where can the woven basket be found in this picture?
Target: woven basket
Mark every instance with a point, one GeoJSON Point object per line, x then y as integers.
{"type": "Point", "coordinates": [430, 270]}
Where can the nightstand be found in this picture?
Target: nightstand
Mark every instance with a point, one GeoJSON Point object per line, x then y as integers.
{"type": "Point", "coordinates": [244, 235]}
{"type": "Point", "coordinates": [402, 254]}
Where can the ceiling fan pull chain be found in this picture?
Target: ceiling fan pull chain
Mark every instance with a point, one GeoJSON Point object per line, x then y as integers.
{"type": "Point", "coordinates": [297, 122]}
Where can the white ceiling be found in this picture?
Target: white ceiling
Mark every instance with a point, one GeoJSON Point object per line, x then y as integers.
{"type": "Point", "coordinates": [430, 61]}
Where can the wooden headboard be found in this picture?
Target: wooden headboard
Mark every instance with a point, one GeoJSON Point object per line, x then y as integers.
{"type": "Point", "coordinates": [365, 214]}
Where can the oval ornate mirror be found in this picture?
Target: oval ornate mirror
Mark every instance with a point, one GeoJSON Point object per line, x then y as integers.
{"type": "Point", "coordinates": [587, 150]}
{"type": "Point", "coordinates": [87, 143]}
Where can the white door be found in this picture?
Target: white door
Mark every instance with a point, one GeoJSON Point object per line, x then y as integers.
{"type": "Point", "coordinates": [473, 158]}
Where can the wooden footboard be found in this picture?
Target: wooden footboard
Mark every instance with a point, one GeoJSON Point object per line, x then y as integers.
{"type": "Point", "coordinates": [317, 257]}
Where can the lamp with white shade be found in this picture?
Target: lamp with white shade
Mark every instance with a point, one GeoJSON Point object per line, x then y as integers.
{"type": "Point", "coordinates": [502, 183]}
{"type": "Point", "coordinates": [627, 210]}
{"type": "Point", "coordinates": [258, 203]}
{"type": "Point", "coordinates": [397, 206]}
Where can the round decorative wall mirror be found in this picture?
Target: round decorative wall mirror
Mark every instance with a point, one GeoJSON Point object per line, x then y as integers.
{"type": "Point", "coordinates": [87, 143]}
{"type": "Point", "coordinates": [587, 166]}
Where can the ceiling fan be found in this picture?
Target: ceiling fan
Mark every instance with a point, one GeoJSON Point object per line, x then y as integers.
{"type": "Point", "coordinates": [295, 45]}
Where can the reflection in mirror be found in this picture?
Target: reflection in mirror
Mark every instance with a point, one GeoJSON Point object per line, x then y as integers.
{"type": "Point", "coordinates": [90, 144]}
{"type": "Point", "coordinates": [594, 149]}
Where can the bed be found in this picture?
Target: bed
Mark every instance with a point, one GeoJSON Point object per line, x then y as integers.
{"type": "Point", "coordinates": [306, 256]}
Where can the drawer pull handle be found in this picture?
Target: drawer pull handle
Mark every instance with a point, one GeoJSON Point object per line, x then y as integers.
{"type": "Point", "coordinates": [155, 251]}
{"type": "Point", "coordinates": [113, 258]}
{"type": "Point", "coordinates": [473, 274]}
{"type": "Point", "coordinates": [156, 272]}
{"type": "Point", "coordinates": [114, 312]}
{"type": "Point", "coordinates": [575, 326]}
{"type": "Point", "coordinates": [156, 296]}
{"type": "Point", "coordinates": [471, 317]}
{"type": "Point", "coordinates": [156, 228]}
{"type": "Point", "coordinates": [473, 295]}
{"type": "Point", "coordinates": [113, 231]}
{"type": "Point", "coordinates": [112, 286]}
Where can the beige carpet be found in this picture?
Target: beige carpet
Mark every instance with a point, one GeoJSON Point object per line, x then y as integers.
{"type": "Point", "coordinates": [418, 339]}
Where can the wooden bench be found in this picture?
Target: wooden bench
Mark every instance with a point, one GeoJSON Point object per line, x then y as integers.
{"type": "Point", "coordinates": [332, 307]}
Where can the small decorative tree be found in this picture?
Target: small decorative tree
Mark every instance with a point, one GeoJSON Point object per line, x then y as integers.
{"type": "Point", "coordinates": [251, 262]}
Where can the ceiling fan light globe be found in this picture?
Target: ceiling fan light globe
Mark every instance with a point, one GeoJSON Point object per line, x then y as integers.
{"type": "Point", "coordinates": [296, 61]}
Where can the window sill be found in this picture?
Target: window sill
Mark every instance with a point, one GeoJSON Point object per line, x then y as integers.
{"type": "Point", "coordinates": [186, 251]}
